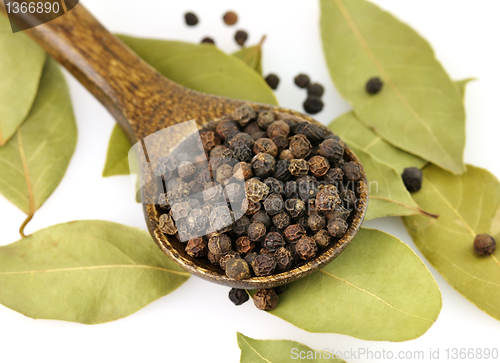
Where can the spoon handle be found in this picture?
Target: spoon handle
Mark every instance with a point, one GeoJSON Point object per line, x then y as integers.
{"type": "Point", "coordinates": [128, 87]}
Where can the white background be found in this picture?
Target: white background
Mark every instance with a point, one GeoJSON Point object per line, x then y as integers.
{"type": "Point", "coordinates": [197, 322]}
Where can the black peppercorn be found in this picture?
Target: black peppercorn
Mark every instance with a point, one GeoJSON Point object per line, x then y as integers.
{"type": "Point", "coordinates": [217, 150]}
{"type": "Point", "coordinates": [213, 258]}
{"type": "Point", "coordinates": [302, 80]}
{"type": "Point", "coordinates": [332, 149]}
{"type": "Point", "coordinates": [302, 221]}
{"type": "Point", "coordinates": [281, 142]}
{"type": "Point", "coordinates": [207, 40]}
{"type": "Point", "coordinates": [186, 170]}
{"type": "Point", "coordinates": [334, 176]}
{"type": "Point", "coordinates": [239, 139]}
{"type": "Point", "coordinates": [243, 115]}
{"type": "Point", "coordinates": [241, 37]}
{"type": "Point", "coordinates": [256, 231]}
{"type": "Point", "coordinates": [300, 146]}
{"type": "Point", "coordinates": [197, 220]}
{"type": "Point", "coordinates": [250, 258]}
{"type": "Point", "coordinates": [264, 265]}
{"type": "Point", "coordinates": [291, 189]}
{"type": "Point", "coordinates": [282, 171]}
{"type": "Point", "coordinates": [374, 85]}
{"type": "Point", "coordinates": [256, 190]}
{"type": "Point", "coordinates": [273, 241]}
{"type": "Point", "coordinates": [242, 171]}
{"type": "Point", "coordinates": [191, 19]}
{"type": "Point", "coordinates": [322, 238]}
{"type": "Point", "coordinates": [238, 269]}
{"type": "Point", "coordinates": [220, 218]}
{"type": "Point", "coordinates": [273, 204]}
{"type": "Point", "coordinates": [272, 80]}
{"type": "Point", "coordinates": [265, 145]}
{"type": "Point", "coordinates": [243, 153]}
{"type": "Point", "coordinates": [265, 119]}
{"type": "Point", "coordinates": [241, 225]}
{"type": "Point", "coordinates": [230, 18]}
{"type": "Point", "coordinates": [412, 177]}
{"type": "Point", "coordinates": [287, 155]}
{"type": "Point", "coordinates": [219, 244]}
{"type": "Point", "coordinates": [225, 127]}
{"type": "Point", "coordinates": [316, 221]}
{"type": "Point", "coordinates": [352, 171]}
{"type": "Point", "coordinates": [339, 212]}
{"type": "Point", "coordinates": [315, 89]}
{"type": "Point", "coordinates": [278, 128]}
{"type": "Point", "coordinates": [294, 232]}
{"type": "Point", "coordinates": [225, 258]}
{"type": "Point", "coordinates": [298, 167]}
{"type": "Point", "coordinates": [180, 210]}
{"type": "Point", "coordinates": [308, 187]}
{"type": "Point", "coordinates": [265, 299]}
{"type": "Point", "coordinates": [284, 259]}
{"type": "Point", "coordinates": [484, 244]}
{"type": "Point", "coordinates": [318, 165]}
{"type": "Point", "coordinates": [314, 133]}
{"type": "Point", "coordinates": [238, 296]}
{"type": "Point", "coordinates": [312, 105]}
{"type": "Point", "coordinates": [275, 186]}
{"type": "Point", "coordinates": [262, 217]}
{"type": "Point", "coordinates": [244, 245]}
{"type": "Point", "coordinates": [197, 247]}
{"type": "Point", "coordinates": [327, 199]}
{"type": "Point", "coordinates": [249, 207]}
{"type": "Point", "coordinates": [281, 220]}
{"type": "Point", "coordinates": [306, 248]}
{"type": "Point", "coordinates": [295, 207]}
{"type": "Point", "coordinates": [337, 227]}
{"type": "Point", "coordinates": [166, 224]}
{"type": "Point", "coordinates": [224, 173]}
{"type": "Point", "coordinates": [263, 165]}
{"type": "Point", "coordinates": [348, 198]}
{"type": "Point", "coordinates": [212, 192]}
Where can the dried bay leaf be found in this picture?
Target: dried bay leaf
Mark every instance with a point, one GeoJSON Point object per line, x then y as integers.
{"type": "Point", "coordinates": [117, 157]}
{"type": "Point", "coordinates": [88, 272]}
{"type": "Point", "coordinates": [199, 67]}
{"type": "Point", "coordinates": [377, 289]}
{"type": "Point", "coordinates": [252, 56]}
{"type": "Point", "coordinates": [388, 194]}
{"type": "Point", "coordinates": [35, 160]}
{"type": "Point", "coordinates": [356, 134]}
{"type": "Point", "coordinates": [467, 205]}
{"type": "Point", "coordinates": [461, 85]}
{"type": "Point", "coordinates": [419, 108]}
{"type": "Point", "coordinates": [21, 65]}
{"type": "Point", "coordinates": [277, 351]}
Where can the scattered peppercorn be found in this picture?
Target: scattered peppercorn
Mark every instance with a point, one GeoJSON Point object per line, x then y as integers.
{"type": "Point", "coordinates": [208, 40]}
{"type": "Point", "coordinates": [230, 18]}
{"type": "Point", "coordinates": [484, 244]}
{"type": "Point", "coordinates": [191, 19]}
{"type": "Point", "coordinates": [312, 105]}
{"type": "Point", "coordinates": [374, 85]}
{"type": "Point", "coordinates": [412, 177]}
{"type": "Point", "coordinates": [238, 296]}
{"type": "Point", "coordinates": [265, 299]}
{"type": "Point", "coordinates": [241, 37]}
{"type": "Point", "coordinates": [315, 89]}
{"type": "Point", "coordinates": [272, 81]}
{"type": "Point", "coordinates": [302, 80]}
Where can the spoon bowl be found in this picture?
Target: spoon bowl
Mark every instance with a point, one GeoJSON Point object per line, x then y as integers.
{"type": "Point", "coordinates": [143, 102]}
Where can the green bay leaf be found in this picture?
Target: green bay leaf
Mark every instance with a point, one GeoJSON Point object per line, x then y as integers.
{"type": "Point", "coordinates": [377, 289]}
{"type": "Point", "coordinates": [467, 205]}
{"type": "Point", "coordinates": [358, 135]}
{"type": "Point", "coordinates": [252, 56]}
{"type": "Point", "coordinates": [461, 85]}
{"type": "Point", "coordinates": [21, 65]}
{"type": "Point", "coordinates": [278, 351]}
{"type": "Point", "coordinates": [419, 108]}
{"type": "Point", "coordinates": [197, 66]}
{"type": "Point", "coordinates": [388, 194]}
{"type": "Point", "coordinates": [35, 160]}
{"type": "Point", "coordinates": [88, 272]}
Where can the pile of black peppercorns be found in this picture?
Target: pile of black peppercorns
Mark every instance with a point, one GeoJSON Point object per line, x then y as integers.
{"type": "Point", "coordinates": [313, 103]}
{"type": "Point", "coordinates": [288, 176]}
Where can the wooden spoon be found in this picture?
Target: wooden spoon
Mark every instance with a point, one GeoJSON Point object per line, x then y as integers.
{"type": "Point", "coordinates": [143, 101]}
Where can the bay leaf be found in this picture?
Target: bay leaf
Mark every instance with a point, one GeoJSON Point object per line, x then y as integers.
{"type": "Point", "coordinates": [21, 65]}
{"type": "Point", "coordinates": [35, 160]}
{"type": "Point", "coordinates": [461, 85]}
{"type": "Point", "coordinates": [467, 205]}
{"type": "Point", "coordinates": [377, 289]}
{"type": "Point", "coordinates": [419, 108]}
{"type": "Point", "coordinates": [88, 272]}
{"type": "Point", "coordinates": [278, 351]}
{"type": "Point", "coordinates": [252, 56]}
{"type": "Point", "coordinates": [201, 68]}
{"type": "Point", "coordinates": [117, 157]}
{"type": "Point", "coordinates": [356, 134]}
{"type": "Point", "coordinates": [388, 194]}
